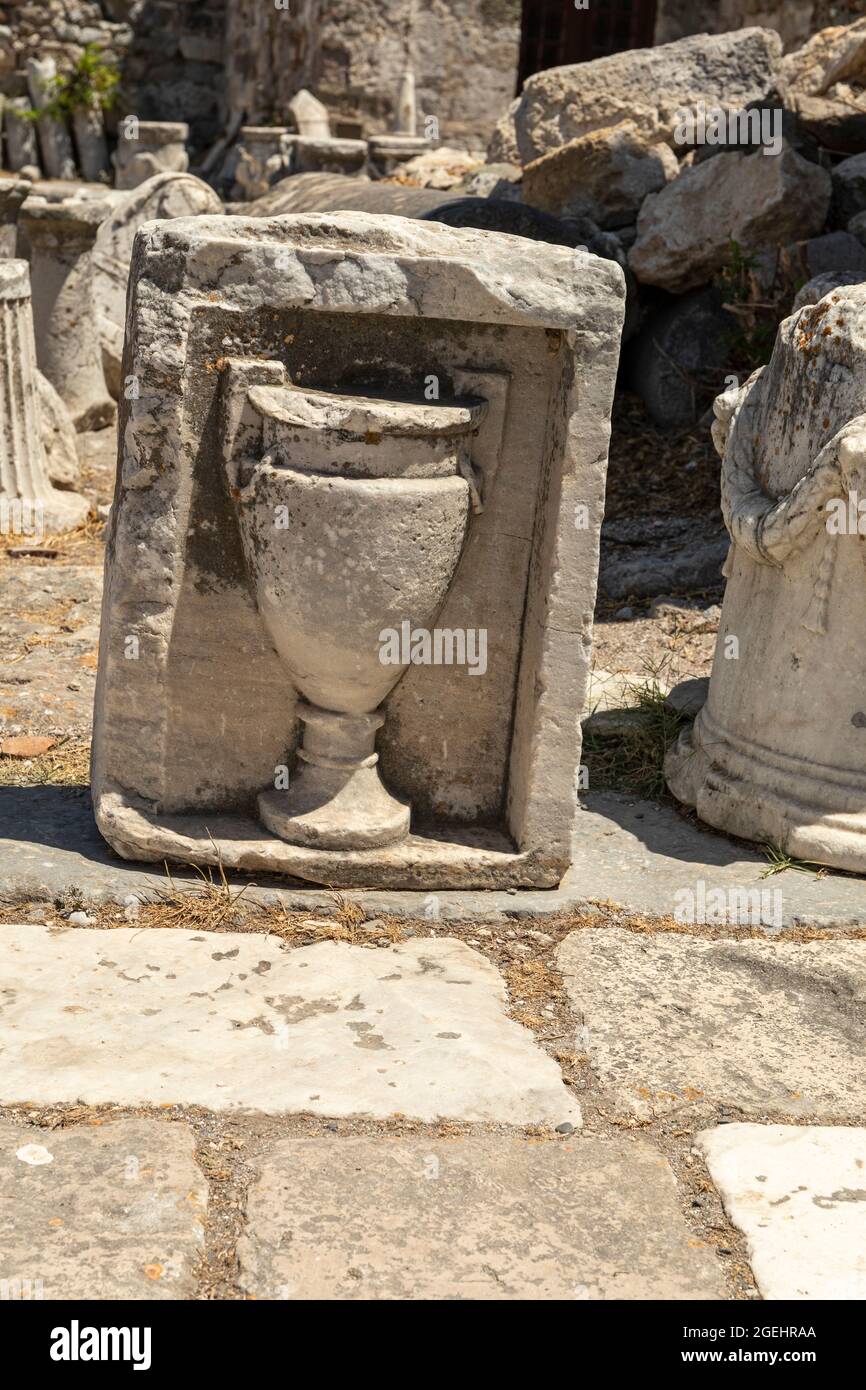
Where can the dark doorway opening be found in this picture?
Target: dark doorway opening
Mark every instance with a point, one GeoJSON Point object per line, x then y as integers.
{"type": "Point", "coordinates": [554, 32]}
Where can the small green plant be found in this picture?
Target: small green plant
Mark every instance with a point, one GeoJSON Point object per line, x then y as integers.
{"type": "Point", "coordinates": [780, 861]}
{"type": "Point", "coordinates": [757, 318]}
{"type": "Point", "coordinates": [631, 757]}
{"type": "Point", "coordinates": [89, 85]}
{"type": "Point", "coordinates": [734, 277]}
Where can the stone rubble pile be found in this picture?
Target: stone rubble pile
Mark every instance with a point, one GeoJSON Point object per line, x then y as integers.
{"type": "Point", "coordinates": [710, 157]}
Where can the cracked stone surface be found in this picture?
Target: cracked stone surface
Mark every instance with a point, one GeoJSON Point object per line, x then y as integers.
{"type": "Point", "coordinates": [100, 1212]}
{"type": "Point", "coordinates": [671, 1021]}
{"type": "Point", "coordinates": [231, 1020]}
{"type": "Point", "coordinates": [475, 1217]}
{"type": "Point", "coordinates": [799, 1197]}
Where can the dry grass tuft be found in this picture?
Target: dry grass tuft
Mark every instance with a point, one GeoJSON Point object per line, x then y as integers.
{"type": "Point", "coordinates": [347, 923]}
{"type": "Point", "coordinates": [531, 984]}
{"type": "Point", "coordinates": [65, 765]}
{"type": "Point", "coordinates": [632, 758]}
{"type": "Point", "coordinates": [81, 546]}
{"type": "Point", "coordinates": [206, 906]}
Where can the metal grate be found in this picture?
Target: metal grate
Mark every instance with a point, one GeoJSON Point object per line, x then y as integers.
{"type": "Point", "coordinates": [554, 32]}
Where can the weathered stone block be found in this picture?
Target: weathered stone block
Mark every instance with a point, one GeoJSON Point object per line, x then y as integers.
{"type": "Point", "coordinates": [235, 1021]}
{"type": "Point", "coordinates": [328, 155]}
{"type": "Point", "coordinates": [294, 355]}
{"type": "Point", "coordinates": [12, 195]}
{"type": "Point", "coordinates": [797, 1195]}
{"type": "Point", "coordinates": [165, 195]}
{"type": "Point", "coordinates": [264, 156]}
{"type": "Point", "coordinates": [61, 236]}
{"type": "Point", "coordinates": [28, 502]}
{"type": "Point", "coordinates": [684, 233]}
{"type": "Point", "coordinates": [645, 85]}
{"type": "Point", "coordinates": [604, 175]}
{"type": "Point", "coordinates": [676, 1022]}
{"type": "Point", "coordinates": [310, 116]}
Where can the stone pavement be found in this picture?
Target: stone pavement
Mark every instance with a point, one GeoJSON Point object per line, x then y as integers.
{"type": "Point", "coordinates": [130, 1015]}
{"type": "Point", "coordinates": [800, 1197]}
{"type": "Point", "coordinates": [527, 1095]}
{"type": "Point", "coordinates": [471, 1217]}
{"type": "Point", "coordinates": [750, 1025]}
{"type": "Point", "coordinates": [49, 632]}
{"type": "Point", "coordinates": [640, 855]}
{"type": "Point", "coordinates": [110, 1212]}
{"type": "Point", "coordinates": [189, 1113]}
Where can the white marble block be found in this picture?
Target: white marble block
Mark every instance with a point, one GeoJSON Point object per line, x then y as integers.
{"type": "Point", "coordinates": [352, 571]}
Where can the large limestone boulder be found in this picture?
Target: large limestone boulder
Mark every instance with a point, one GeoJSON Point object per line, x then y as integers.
{"type": "Point", "coordinates": [824, 284]}
{"type": "Point", "coordinates": [605, 175]}
{"type": "Point", "coordinates": [824, 82]}
{"type": "Point", "coordinates": [685, 231]}
{"type": "Point", "coordinates": [503, 148]}
{"type": "Point", "coordinates": [493, 181]}
{"type": "Point", "coordinates": [165, 195]}
{"type": "Point", "coordinates": [646, 85]}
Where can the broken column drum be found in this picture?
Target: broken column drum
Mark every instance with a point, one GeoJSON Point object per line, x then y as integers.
{"type": "Point", "coordinates": [264, 157]}
{"type": "Point", "coordinates": [28, 502]}
{"type": "Point", "coordinates": [778, 753]}
{"type": "Point", "coordinates": [67, 335]}
{"type": "Point", "coordinates": [147, 148]}
{"type": "Point", "coordinates": [12, 194]}
{"type": "Point", "coordinates": [323, 460]}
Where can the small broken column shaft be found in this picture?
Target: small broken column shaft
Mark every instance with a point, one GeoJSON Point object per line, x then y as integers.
{"type": "Point", "coordinates": [12, 195]}
{"type": "Point", "coordinates": [61, 237]}
{"type": "Point", "coordinates": [146, 148]}
{"type": "Point", "coordinates": [28, 502]}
